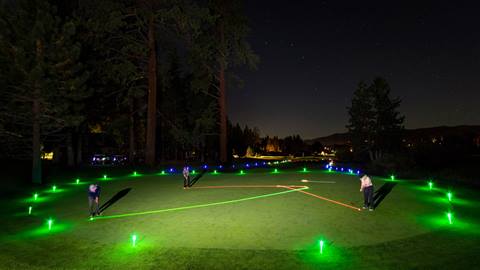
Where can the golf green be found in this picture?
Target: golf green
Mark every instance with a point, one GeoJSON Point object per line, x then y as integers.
{"type": "Point", "coordinates": [259, 220]}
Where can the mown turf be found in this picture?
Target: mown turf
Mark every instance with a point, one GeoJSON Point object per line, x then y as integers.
{"type": "Point", "coordinates": [408, 230]}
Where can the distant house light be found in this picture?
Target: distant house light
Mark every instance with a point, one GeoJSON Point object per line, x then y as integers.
{"type": "Point", "coordinates": [47, 156]}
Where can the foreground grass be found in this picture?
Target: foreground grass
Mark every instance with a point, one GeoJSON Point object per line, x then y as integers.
{"type": "Point", "coordinates": [407, 231]}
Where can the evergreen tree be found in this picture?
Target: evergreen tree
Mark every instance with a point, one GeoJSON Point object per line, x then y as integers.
{"type": "Point", "coordinates": [375, 124]}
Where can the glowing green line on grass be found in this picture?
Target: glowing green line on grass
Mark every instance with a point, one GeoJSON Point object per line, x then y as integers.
{"type": "Point", "coordinates": [321, 243]}
{"type": "Point", "coordinates": [200, 205]}
{"type": "Point", "coordinates": [450, 217]}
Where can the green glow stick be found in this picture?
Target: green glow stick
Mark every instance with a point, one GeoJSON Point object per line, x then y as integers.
{"type": "Point", "coordinates": [135, 173]}
{"type": "Point", "coordinates": [242, 172]}
{"type": "Point", "coordinates": [304, 169]}
{"type": "Point", "coordinates": [321, 243]}
{"type": "Point", "coordinates": [35, 196]}
{"type": "Point", "coordinates": [430, 185]}
{"type": "Point", "coordinates": [134, 240]}
{"type": "Point", "coordinates": [77, 181]}
{"type": "Point", "coordinates": [450, 217]}
{"type": "Point", "coordinates": [54, 188]}
{"type": "Point", "coordinates": [30, 210]}
{"type": "Point", "coordinates": [449, 195]}
{"type": "Point", "coordinates": [276, 170]}
{"type": "Point", "coordinates": [392, 177]}
{"type": "Point", "coordinates": [104, 176]}
{"type": "Point", "coordinates": [193, 172]}
{"type": "Point", "coordinates": [50, 222]}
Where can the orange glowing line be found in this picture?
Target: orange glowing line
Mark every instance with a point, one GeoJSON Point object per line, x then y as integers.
{"type": "Point", "coordinates": [327, 199]}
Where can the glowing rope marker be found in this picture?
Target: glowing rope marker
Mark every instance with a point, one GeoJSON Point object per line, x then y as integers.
{"type": "Point", "coordinates": [314, 181]}
{"type": "Point", "coordinates": [206, 204]}
{"type": "Point", "coordinates": [326, 199]}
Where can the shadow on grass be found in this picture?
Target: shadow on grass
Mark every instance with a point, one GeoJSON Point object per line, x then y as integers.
{"type": "Point", "coordinates": [382, 192]}
{"type": "Point", "coordinates": [114, 199]}
{"type": "Point", "coordinates": [195, 179]}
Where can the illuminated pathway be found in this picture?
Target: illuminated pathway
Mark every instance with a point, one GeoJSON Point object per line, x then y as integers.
{"type": "Point", "coordinates": [289, 190]}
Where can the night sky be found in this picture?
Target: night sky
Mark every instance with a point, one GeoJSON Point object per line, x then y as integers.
{"type": "Point", "coordinates": [314, 53]}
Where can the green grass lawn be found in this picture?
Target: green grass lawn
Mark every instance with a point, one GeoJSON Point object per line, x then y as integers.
{"type": "Point", "coordinates": [268, 227]}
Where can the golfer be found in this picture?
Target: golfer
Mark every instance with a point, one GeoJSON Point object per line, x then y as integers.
{"type": "Point", "coordinates": [93, 198]}
{"type": "Point", "coordinates": [367, 188]}
{"type": "Point", "coordinates": [186, 177]}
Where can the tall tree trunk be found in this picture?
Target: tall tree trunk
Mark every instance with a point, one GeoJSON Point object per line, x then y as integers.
{"type": "Point", "coordinates": [36, 140]}
{"type": "Point", "coordinates": [70, 154]}
{"type": "Point", "coordinates": [79, 160]}
{"type": "Point", "coordinates": [36, 144]}
{"type": "Point", "coordinates": [131, 146]}
{"type": "Point", "coordinates": [222, 103]}
{"type": "Point", "coordinates": [152, 95]}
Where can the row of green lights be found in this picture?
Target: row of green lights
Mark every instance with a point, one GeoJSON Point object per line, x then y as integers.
{"type": "Point", "coordinates": [449, 196]}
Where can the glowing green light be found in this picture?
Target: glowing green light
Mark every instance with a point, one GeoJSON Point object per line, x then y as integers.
{"type": "Point", "coordinates": [199, 205]}
{"type": "Point", "coordinates": [275, 171]}
{"type": "Point", "coordinates": [77, 181]}
{"type": "Point", "coordinates": [321, 244]}
{"type": "Point", "coordinates": [91, 218]}
{"type": "Point", "coordinates": [449, 195]}
{"type": "Point", "coordinates": [215, 172]}
{"type": "Point", "coordinates": [163, 172]}
{"type": "Point", "coordinates": [50, 223]}
{"type": "Point", "coordinates": [54, 188]}
{"type": "Point", "coordinates": [330, 169]}
{"type": "Point", "coordinates": [450, 217]}
{"type": "Point", "coordinates": [392, 177]}
{"type": "Point", "coordinates": [304, 169]}
{"type": "Point", "coordinates": [35, 196]}
{"type": "Point", "coordinates": [242, 172]}
{"type": "Point", "coordinates": [134, 240]}
{"type": "Point", "coordinates": [30, 210]}
{"type": "Point", "coordinates": [430, 185]}
{"type": "Point", "coordinates": [104, 176]}
{"type": "Point", "coordinates": [135, 173]}
{"type": "Point", "coordinates": [193, 172]}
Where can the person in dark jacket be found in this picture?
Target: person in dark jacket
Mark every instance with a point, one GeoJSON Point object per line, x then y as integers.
{"type": "Point", "coordinates": [93, 199]}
